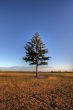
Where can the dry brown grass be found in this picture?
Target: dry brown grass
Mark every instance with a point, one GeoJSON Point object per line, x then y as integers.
{"type": "Point", "coordinates": [19, 91]}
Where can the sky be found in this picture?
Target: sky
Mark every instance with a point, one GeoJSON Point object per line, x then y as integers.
{"type": "Point", "coordinates": [20, 19]}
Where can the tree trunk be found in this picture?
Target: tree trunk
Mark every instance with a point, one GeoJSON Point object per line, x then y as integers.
{"type": "Point", "coordinates": [36, 70]}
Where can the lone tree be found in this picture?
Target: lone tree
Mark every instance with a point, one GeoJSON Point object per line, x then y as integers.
{"type": "Point", "coordinates": [35, 52]}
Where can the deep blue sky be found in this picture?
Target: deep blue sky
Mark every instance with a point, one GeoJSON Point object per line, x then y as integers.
{"type": "Point", "coordinates": [20, 19]}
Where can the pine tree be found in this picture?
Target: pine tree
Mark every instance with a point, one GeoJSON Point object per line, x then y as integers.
{"type": "Point", "coordinates": [35, 52]}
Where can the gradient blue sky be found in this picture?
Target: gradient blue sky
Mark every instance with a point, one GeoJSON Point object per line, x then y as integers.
{"type": "Point", "coordinates": [20, 19]}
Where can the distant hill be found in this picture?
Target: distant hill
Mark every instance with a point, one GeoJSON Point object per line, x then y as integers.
{"type": "Point", "coordinates": [32, 68]}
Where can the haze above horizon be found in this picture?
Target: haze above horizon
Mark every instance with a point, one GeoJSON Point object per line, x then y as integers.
{"type": "Point", "coordinates": [20, 19]}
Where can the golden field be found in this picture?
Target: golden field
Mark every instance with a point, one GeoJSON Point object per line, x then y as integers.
{"type": "Point", "coordinates": [22, 91]}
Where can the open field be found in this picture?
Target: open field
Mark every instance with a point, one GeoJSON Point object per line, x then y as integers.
{"type": "Point", "coordinates": [22, 91]}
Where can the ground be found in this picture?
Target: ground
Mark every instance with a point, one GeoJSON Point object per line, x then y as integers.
{"type": "Point", "coordinates": [22, 91]}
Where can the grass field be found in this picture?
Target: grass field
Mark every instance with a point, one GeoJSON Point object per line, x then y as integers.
{"type": "Point", "coordinates": [22, 91]}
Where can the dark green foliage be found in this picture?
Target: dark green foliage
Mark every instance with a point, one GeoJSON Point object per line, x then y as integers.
{"type": "Point", "coordinates": [35, 52]}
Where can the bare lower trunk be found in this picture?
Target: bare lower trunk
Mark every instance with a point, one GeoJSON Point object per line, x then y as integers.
{"type": "Point", "coordinates": [36, 70]}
